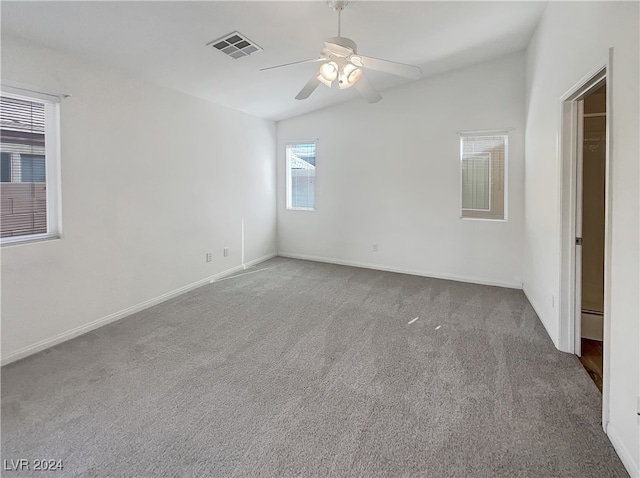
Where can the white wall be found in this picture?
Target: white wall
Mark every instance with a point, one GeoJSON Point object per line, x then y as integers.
{"type": "Point", "coordinates": [571, 39]}
{"type": "Point", "coordinates": [388, 173]}
{"type": "Point", "coordinates": [151, 181]}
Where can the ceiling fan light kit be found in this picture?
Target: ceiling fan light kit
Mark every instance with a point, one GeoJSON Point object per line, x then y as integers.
{"type": "Point", "coordinates": [328, 73]}
{"type": "Point", "coordinates": [341, 62]}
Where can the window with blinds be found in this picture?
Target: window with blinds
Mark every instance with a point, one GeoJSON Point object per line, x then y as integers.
{"type": "Point", "coordinates": [301, 176]}
{"type": "Point", "coordinates": [26, 154]}
{"type": "Point", "coordinates": [483, 159]}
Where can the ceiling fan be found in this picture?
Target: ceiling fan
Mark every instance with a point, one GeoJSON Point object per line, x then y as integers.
{"type": "Point", "coordinates": [341, 62]}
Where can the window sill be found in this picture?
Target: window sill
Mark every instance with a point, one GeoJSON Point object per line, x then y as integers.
{"type": "Point", "coordinates": [482, 219]}
{"type": "Point", "coordinates": [18, 240]}
{"type": "Point", "coordinates": [300, 209]}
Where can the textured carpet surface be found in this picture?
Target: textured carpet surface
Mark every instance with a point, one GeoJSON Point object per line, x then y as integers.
{"type": "Point", "coordinates": [309, 369]}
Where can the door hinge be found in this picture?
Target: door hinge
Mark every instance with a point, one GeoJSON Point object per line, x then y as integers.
{"type": "Point", "coordinates": [578, 241]}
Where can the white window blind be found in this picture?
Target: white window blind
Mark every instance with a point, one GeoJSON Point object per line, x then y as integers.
{"type": "Point", "coordinates": [476, 181]}
{"type": "Point", "coordinates": [483, 160]}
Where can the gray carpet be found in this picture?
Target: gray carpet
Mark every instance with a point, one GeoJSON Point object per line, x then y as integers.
{"type": "Point", "coordinates": [308, 369]}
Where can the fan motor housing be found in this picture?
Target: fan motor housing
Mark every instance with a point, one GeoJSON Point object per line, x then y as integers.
{"type": "Point", "coordinates": [337, 5]}
{"type": "Point", "coordinates": [345, 42]}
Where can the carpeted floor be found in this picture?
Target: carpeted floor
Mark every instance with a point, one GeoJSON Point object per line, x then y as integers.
{"type": "Point", "coordinates": [309, 369]}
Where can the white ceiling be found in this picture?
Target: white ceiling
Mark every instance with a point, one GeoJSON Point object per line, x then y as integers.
{"type": "Point", "coordinates": [165, 42]}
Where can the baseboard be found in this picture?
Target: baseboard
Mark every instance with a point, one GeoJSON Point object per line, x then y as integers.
{"type": "Point", "coordinates": [537, 310]}
{"type": "Point", "coordinates": [622, 451]}
{"type": "Point", "coordinates": [259, 260]}
{"type": "Point", "coordinates": [83, 329]}
{"type": "Point", "coordinates": [400, 270]}
{"type": "Point", "coordinates": [592, 326]}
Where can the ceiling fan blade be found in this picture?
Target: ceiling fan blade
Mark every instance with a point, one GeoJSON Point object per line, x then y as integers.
{"type": "Point", "coordinates": [293, 63]}
{"type": "Point", "coordinates": [338, 49]}
{"type": "Point", "coordinates": [366, 89]}
{"type": "Point", "coordinates": [309, 88]}
{"type": "Point", "coordinates": [399, 69]}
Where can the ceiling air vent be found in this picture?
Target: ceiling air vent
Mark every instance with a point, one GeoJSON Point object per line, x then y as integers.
{"type": "Point", "coordinates": [236, 45]}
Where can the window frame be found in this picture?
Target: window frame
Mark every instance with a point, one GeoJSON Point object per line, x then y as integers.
{"type": "Point", "coordinates": [52, 164]}
{"type": "Point", "coordinates": [288, 190]}
{"type": "Point", "coordinates": [505, 134]}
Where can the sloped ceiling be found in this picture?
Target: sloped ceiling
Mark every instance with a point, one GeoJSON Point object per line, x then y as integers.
{"type": "Point", "coordinates": [165, 42]}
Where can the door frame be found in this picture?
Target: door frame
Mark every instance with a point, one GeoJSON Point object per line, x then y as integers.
{"type": "Point", "coordinates": [569, 185]}
{"type": "Point", "coordinates": [578, 143]}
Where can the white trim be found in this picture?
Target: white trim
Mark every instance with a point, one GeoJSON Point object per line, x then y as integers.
{"type": "Point", "coordinates": [53, 167]}
{"type": "Point", "coordinates": [20, 240]}
{"type": "Point", "coordinates": [300, 209]}
{"type": "Point", "coordinates": [83, 329]}
{"type": "Point", "coordinates": [22, 90]}
{"type": "Point", "coordinates": [260, 259]}
{"type": "Point", "coordinates": [566, 219]}
{"type": "Point", "coordinates": [487, 132]}
{"type": "Point", "coordinates": [608, 235]}
{"type": "Point", "coordinates": [592, 326]}
{"type": "Point", "coordinates": [625, 455]}
{"type": "Point", "coordinates": [465, 218]}
{"type": "Point", "coordinates": [401, 270]}
{"type": "Point", "coordinates": [577, 248]}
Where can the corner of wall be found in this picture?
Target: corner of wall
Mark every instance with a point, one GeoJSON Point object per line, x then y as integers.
{"type": "Point", "coordinates": [553, 334]}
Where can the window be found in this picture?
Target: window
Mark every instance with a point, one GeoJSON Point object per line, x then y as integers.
{"type": "Point", "coordinates": [483, 160]}
{"type": "Point", "coordinates": [5, 168]}
{"type": "Point", "coordinates": [28, 128]}
{"type": "Point", "coordinates": [32, 168]}
{"type": "Point", "coordinates": [301, 176]}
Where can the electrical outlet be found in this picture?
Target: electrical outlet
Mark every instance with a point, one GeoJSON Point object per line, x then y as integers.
{"type": "Point", "coordinates": [375, 247]}
{"type": "Point", "coordinates": [209, 256]}
{"type": "Point", "coordinates": [225, 252]}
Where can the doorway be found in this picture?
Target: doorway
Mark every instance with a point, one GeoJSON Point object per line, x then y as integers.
{"type": "Point", "coordinates": [571, 143]}
{"type": "Point", "coordinates": [590, 229]}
